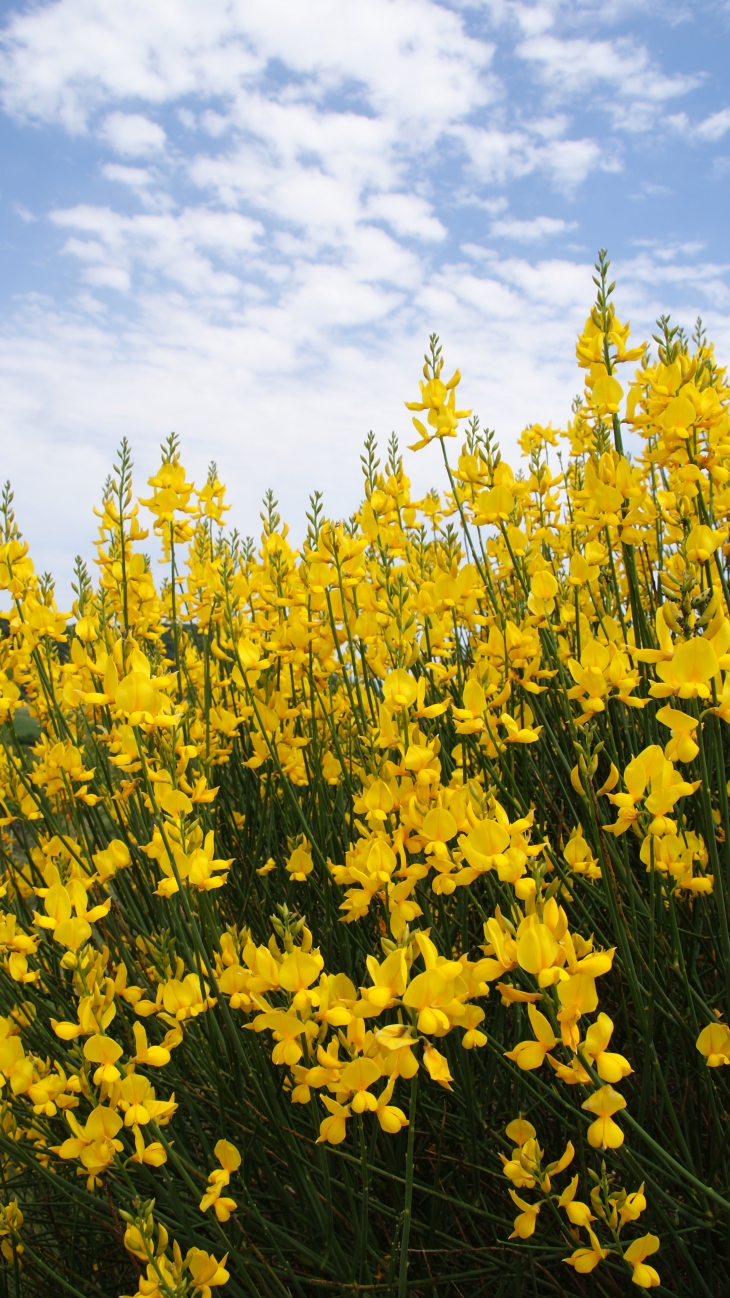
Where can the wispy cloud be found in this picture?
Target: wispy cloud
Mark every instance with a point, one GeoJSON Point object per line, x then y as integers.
{"type": "Point", "coordinates": [135, 176]}
{"type": "Point", "coordinates": [132, 135]}
{"type": "Point", "coordinates": [627, 82]}
{"type": "Point", "coordinates": [709, 130]}
{"type": "Point", "coordinates": [531, 231]}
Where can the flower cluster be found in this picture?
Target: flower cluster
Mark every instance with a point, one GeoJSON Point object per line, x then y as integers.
{"type": "Point", "coordinates": [480, 738]}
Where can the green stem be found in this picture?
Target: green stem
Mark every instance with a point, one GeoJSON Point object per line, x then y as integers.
{"type": "Point", "coordinates": [406, 1229]}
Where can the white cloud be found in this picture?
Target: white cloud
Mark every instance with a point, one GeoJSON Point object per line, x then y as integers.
{"type": "Point", "coordinates": [497, 157]}
{"type": "Point", "coordinates": [536, 19]}
{"type": "Point", "coordinates": [406, 214]}
{"type": "Point", "coordinates": [132, 135]}
{"type": "Point", "coordinates": [412, 76]}
{"type": "Point", "coordinates": [277, 390]}
{"type": "Point", "coordinates": [710, 129]}
{"type": "Point", "coordinates": [132, 176]}
{"type": "Point", "coordinates": [532, 231]}
{"type": "Point", "coordinates": [668, 250]}
{"type": "Point", "coordinates": [293, 185]}
{"type": "Point", "coordinates": [631, 87]}
{"type": "Point", "coordinates": [412, 60]}
{"type": "Point", "coordinates": [62, 60]}
{"type": "Point", "coordinates": [706, 281]}
{"type": "Point", "coordinates": [571, 161]}
{"type": "Point", "coordinates": [654, 190]}
{"type": "Point", "coordinates": [714, 127]}
{"type": "Point", "coordinates": [107, 277]}
{"type": "Point", "coordinates": [171, 246]}
{"type": "Point", "coordinates": [24, 213]}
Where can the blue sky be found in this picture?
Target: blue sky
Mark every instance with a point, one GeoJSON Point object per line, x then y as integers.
{"type": "Point", "coordinates": [241, 220]}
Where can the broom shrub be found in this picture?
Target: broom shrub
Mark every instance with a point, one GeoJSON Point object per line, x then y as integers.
{"type": "Point", "coordinates": [365, 906]}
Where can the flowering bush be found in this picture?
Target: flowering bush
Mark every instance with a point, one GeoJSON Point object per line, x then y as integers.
{"type": "Point", "coordinates": [365, 907]}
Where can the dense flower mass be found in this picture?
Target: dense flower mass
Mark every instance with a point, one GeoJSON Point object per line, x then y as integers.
{"type": "Point", "coordinates": [339, 880]}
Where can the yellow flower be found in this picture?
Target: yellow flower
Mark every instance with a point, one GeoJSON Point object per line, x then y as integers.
{"type": "Point", "coordinates": [526, 1219]}
{"type": "Point", "coordinates": [152, 1155]}
{"type": "Point", "coordinates": [389, 978]}
{"type": "Point", "coordinates": [681, 747]}
{"type": "Point", "coordinates": [205, 1271]}
{"type": "Point", "coordinates": [585, 1260]}
{"type": "Point", "coordinates": [633, 1205]}
{"type": "Point", "coordinates": [356, 1078]}
{"type": "Point", "coordinates": [610, 1067]}
{"type": "Point", "coordinates": [604, 1133]}
{"type": "Point", "coordinates": [494, 506]}
{"type": "Point", "coordinates": [579, 1214]}
{"type": "Point", "coordinates": [230, 1161]}
{"type": "Point", "coordinates": [333, 1129]}
{"type": "Point", "coordinates": [470, 717]}
{"type": "Point", "coordinates": [543, 589]}
{"type": "Point", "coordinates": [519, 1130]}
{"type": "Point", "coordinates": [103, 1051]}
{"type": "Point", "coordinates": [298, 971]}
{"type": "Point", "coordinates": [485, 845]}
{"type": "Point", "coordinates": [437, 1066]}
{"type": "Point", "coordinates": [300, 863]}
{"type": "Point", "coordinates": [439, 399]}
{"type": "Point", "coordinates": [473, 1016]}
{"type": "Point", "coordinates": [606, 394]}
{"type": "Point", "coordinates": [714, 1043]}
{"type": "Point", "coordinates": [428, 993]}
{"type": "Point", "coordinates": [399, 690]}
{"type": "Point", "coordinates": [391, 1118]}
{"type": "Point", "coordinates": [531, 1054]}
{"type": "Point", "coordinates": [644, 1276]}
{"type": "Point", "coordinates": [691, 667]}
{"type": "Point", "coordinates": [94, 1144]}
{"type": "Point", "coordinates": [702, 542]}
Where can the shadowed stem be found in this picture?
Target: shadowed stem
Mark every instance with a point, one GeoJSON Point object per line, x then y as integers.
{"type": "Point", "coordinates": [406, 1230]}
